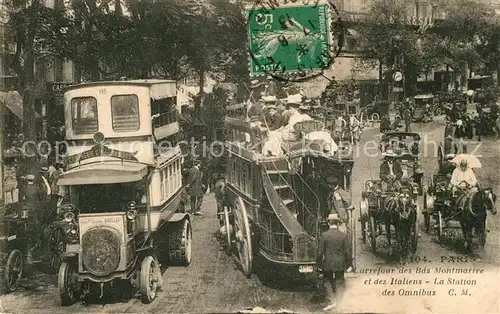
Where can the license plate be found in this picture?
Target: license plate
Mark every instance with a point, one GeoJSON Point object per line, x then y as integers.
{"type": "Point", "coordinates": [305, 269]}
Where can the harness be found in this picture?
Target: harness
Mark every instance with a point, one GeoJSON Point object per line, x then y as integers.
{"type": "Point", "coordinates": [464, 202]}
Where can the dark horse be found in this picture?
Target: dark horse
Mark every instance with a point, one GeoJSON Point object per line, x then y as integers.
{"type": "Point", "coordinates": [472, 207]}
{"type": "Point", "coordinates": [402, 214]}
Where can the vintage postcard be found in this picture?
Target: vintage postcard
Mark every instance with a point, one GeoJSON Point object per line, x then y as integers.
{"type": "Point", "coordinates": [249, 156]}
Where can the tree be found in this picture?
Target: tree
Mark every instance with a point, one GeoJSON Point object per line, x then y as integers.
{"type": "Point", "coordinates": [37, 31]}
{"type": "Point", "coordinates": [387, 40]}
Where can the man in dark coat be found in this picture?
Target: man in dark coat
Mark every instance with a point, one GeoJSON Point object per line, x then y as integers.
{"type": "Point", "coordinates": [275, 120]}
{"type": "Point", "coordinates": [390, 171]}
{"type": "Point", "coordinates": [195, 188]}
{"type": "Point", "coordinates": [334, 257]}
{"type": "Point", "coordinates": [339, 200]}
{"type": "Point", "coordinates": [448, 167]}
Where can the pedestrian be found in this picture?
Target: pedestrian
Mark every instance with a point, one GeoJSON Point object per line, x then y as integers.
{"type": "Point", "coordinates": [407, 118]}
{"type": "Point", "coordinates": [33, 203]}
{"type": "Point", "coordinates": [57, 190]}
{"type": "Point", "coordinates": [43, 179]}
{"type": "Point", "coordinates": [334, 258]}
{"type": "Point", "coordinates": [339, 200]}
{"type": "Point", "coordinates": [195, 188]}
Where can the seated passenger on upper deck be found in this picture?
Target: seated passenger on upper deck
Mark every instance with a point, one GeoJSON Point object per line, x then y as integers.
{"type": "Point", "coordinates": [293, 104]}
{"type": "Point", "coordinates": [274, 120]}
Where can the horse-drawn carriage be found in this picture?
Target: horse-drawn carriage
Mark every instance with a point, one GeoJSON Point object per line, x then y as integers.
{"type": "Point", "coordinates": [406, 145]}
{"type": "Point", "coordinates": [396, 208]}
{"type": "Point", "coordinates": [466, 210]}
{"type": "Point", "coordinates": [424, 108]}
{"type": "Point", "coordinates": [273, 207]}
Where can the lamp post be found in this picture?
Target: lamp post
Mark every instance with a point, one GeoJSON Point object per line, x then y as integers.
{"type": "Point", "coordinates": [398, 65]}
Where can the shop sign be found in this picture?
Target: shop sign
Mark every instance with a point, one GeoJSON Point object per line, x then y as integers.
{"type": "Point", "coordinates": [57, 88]}
{"type": "Point", "coordinates": [416, 20]}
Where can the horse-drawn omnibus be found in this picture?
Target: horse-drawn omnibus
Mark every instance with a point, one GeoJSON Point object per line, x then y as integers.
{"type": "Point", "coordinates": [276, 204]}
{"type": "Point", "coordinates": [123, 179]}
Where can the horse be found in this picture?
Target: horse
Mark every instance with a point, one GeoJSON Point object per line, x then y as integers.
{"type": "Point", "coordinates": [472, 211]}
{"type": "Point", "coordinates": [402, 215]}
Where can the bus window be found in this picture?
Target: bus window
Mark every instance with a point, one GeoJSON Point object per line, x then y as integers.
{"type": "Point", "coordinates": [165, 109]}
{"type": "Point", "coordinates": [84, 115]}
{"type": "Point", "coordinates": [125, 113]}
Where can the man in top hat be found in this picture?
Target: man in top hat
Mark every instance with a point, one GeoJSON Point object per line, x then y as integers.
{"type": "Point", "coordinates": [391, 171]}
{"type": "Point", "coordinates": [334, 258]}
{"type": "Point", "coordinates": [195, 188]}
{"type": "Point", "coordinates": [339, 200]}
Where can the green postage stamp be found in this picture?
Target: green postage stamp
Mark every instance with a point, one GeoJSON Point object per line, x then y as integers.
{"type": "Point", "coordinates": [289, 39]}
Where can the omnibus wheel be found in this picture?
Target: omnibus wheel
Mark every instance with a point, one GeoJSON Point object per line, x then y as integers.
{"type": "Point", "coordinates": [179, 243]}
{"type": "Point", "coordinates": [67, 281]}
{"type": "Point", "coordinates": [13, 270]}
{"type": "Point", "coordinates": [148, 279]}
{"type": "Point", "coordinates": [243, 236]}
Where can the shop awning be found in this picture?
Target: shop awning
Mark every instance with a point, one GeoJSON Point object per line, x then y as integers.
{"type": "Point", "coordinates": [14, 102]}
{"type": "Point", "coordinates": [104, 173]}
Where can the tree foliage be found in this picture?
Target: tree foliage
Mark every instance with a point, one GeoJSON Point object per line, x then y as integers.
{"type": "Point", "coordinates": [385, 36]}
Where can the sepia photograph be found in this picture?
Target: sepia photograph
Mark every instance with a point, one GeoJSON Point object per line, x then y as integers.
{"type": "Point", "coordinates": [249, 156]}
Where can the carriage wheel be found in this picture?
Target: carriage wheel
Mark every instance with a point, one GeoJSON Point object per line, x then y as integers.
{"type": "Point", "coordinates": [362, 220]}
{"type": "Point", "coordinates": [228, 245]}
{"type": "Point", "coordinates": [427, 216]}
{"type": "Point", "coordinates": [440, 228]}
{"type": "Point", "coordinates": [375, 116]}
{"type": "Point", "coordinates": [414, 238]}
{"type": "Point", "coordinates": [243, 236]}
{"type": "Point", "coordinates": [56, 249]}
{"type": "Point", "coordinates": [437, 111]}
{"type": "Point", "coordinates": [372, 230]}
{"type": "Point", "coordinates": [14, 270]}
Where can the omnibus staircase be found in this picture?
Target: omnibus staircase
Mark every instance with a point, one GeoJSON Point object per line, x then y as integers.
{"type": "Point", "coordinates": [301, 225]}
